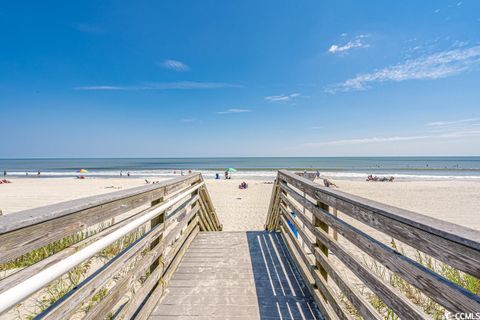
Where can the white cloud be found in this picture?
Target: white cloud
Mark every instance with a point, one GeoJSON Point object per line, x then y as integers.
{"type": "Point", "coordinates": [358, 42]}
{"type": "Point", "coordinates": [233, 111]}
{"type": "Point", "coordinates": [453, 122]}
{"type": "Point", "coordinates": [282, 97]}
{"type": "Point", "coordinates": [316, 127]}
{"type": "Point", "coordinates": [434, 66]}
{"type": "Point", "coordinates": [371, 140]}
{"type": "Point", "coordinates": [181, 85]}
{"type": "Point", "coordinates": [174, 65]}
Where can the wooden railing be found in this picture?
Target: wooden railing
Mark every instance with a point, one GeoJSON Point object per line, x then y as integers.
{"type": "Point", "coordinates": [307, 216]}
{"type": "Point", "coordinates": [145, 230]}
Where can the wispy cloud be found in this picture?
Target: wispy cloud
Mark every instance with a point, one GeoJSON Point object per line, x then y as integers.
{"type": "Point", "coordinates": [89, 28]}
{"type": "Point", "coordinates": [282, 97]}
{"type": "Point", "coordinates": [174, 65]}
{"type": "Point", "coordinates": [370, 140]}
{"type": "Point", "coordinates": [452, 122]}
{"type": "Point", "coordinates": [357, 42]}
{"type": "Point", "coordinates": [181, 85]}
{"type": "Point", "coordinates": [233, 111]}
{"type": "Point", "coordinates": [433, 66]}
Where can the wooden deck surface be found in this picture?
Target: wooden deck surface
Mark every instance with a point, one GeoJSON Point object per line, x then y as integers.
{"type": "Point", "coordinates": [236, 275]}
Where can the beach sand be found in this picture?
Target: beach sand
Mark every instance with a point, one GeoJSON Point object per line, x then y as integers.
{"type": "Point", "coordinates": [453, 201]}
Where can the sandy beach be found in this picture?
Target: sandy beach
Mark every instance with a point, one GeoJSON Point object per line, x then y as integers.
{"type": "Point", "coordinates": [453, 201]}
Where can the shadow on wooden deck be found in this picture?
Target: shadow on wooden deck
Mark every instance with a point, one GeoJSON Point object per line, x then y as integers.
{"type": "Point", "coordinates": [236, 275]}
{"type": "Point", "coordinates": [281, 291]}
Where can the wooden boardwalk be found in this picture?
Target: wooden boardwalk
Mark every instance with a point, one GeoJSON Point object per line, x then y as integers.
{"type": "Point", "coordinates": [236, 275]}
{"type": "Point", "coordinates": [168, 259]}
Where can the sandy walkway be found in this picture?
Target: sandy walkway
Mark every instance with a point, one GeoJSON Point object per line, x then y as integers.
{"type": "Point", "coordinates": [237, 209]}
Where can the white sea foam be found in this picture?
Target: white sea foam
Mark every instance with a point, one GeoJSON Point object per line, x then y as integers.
{"type": "Point", "coordinates": [246, 174]}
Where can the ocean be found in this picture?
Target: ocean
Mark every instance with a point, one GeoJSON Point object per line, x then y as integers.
{"type": "Point", "coordinates": [418, 168]}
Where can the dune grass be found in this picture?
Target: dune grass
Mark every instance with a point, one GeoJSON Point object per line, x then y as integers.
{"type": "Point", "coordinates": [429, 306]}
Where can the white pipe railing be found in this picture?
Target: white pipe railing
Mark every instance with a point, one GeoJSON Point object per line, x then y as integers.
{"type": "Point", "coordinates": [24, 289]}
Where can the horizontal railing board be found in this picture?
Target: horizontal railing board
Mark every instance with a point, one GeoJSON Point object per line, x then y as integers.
{"type": "Point", "coordinates": [29, 217]}
{"type": "Point", "coordinates": [43, 231]}
{"type": "Point", "coordinates": [453, 232]}
{"type": "Point", "coordinates": [460, 247]}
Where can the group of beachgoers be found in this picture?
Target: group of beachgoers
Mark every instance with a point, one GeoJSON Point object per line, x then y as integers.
{"type": "Point", "coordinates": [380, 179]}
{"type": "Point", "coordinates": [26, 173]}
{"type": "Point", "coordinates": [182, 172]}
{"type": "Point", "coordinates": [226, 175]}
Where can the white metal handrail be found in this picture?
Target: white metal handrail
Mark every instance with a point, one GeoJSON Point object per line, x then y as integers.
{"type": "Point", "coordinates": [24, 289]}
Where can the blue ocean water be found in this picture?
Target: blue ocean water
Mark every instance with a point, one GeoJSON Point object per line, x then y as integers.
{"type": "Point", "coordinates": [339, 167]}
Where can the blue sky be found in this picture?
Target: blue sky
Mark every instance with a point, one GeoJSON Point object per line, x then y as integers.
{"type": "Point", "coordinates": [239, 78]}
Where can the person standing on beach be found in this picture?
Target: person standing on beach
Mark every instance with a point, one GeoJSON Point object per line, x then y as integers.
{"type": "Point", "coordinates": [4, 173]}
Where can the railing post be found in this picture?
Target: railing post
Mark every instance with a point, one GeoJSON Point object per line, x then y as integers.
{"type": "Point", "coordinates": [154, 222]}
{"type": "Point", "coordinates": [322, 225]}
{"type": "Point", "coordinates": [335, 234]}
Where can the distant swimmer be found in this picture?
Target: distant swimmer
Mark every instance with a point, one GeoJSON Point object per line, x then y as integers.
{"type": "Point", "coordinates": [128, 174]}
{"type": "Point", "coordinates": [4, 173]}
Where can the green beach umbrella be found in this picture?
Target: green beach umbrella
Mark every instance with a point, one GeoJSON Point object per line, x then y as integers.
{"type": "Point", "coordinates": [231, 170]}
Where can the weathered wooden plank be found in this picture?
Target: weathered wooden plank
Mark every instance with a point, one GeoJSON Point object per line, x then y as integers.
{"type": "Point", "coordinates": [29, 217]}
{"type": "Point", "coordinates": [306, 239]}
{"type": "Point", "coordinates": [206, 216]}
{"type": "Point", "coordinates": [357, 300]}
{"type": "Point", "coordinates": [137, 299]}
{"type": "Point", "coordinates": [24, 274]}
{"type": "Point", "coordinates": [325, 308]}
{"type": "Point", "coordinates": [455, 245]}
{"type": "Point", "coordinates": [306, 259]}
{"type": "Point", "coordinates": [270, 212]}
{"type": "Point", "coordinates": [65, 307]}
{"type": "Point", "coordinates": [149, 305]}
{"type": "Point", "coordinates": [208, 200]}
{"type": "Point", "coordinates": [123, 285]}
{"type": "Point", "coordinates": [440, 289]}
{"type": "Point", "coordinates": [401, 305]}
{"type": "Point", "coordinates": [318, 280]}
